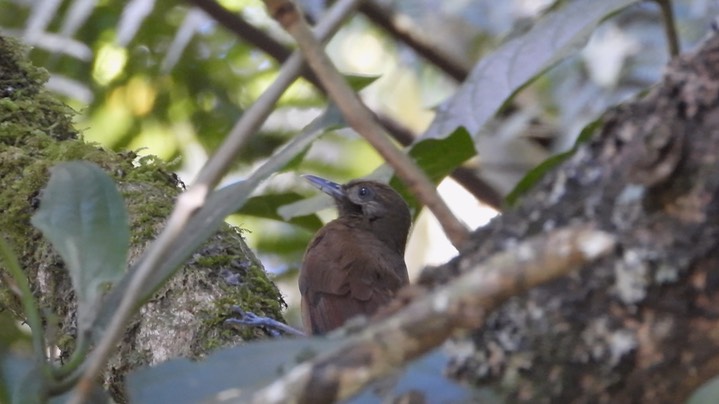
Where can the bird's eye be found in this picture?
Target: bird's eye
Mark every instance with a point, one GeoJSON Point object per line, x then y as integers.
{"type": "Point", "coordinates": [364, 192]}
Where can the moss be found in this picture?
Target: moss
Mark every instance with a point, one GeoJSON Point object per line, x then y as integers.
{"type": "Point", "coordinates": [214, 260]}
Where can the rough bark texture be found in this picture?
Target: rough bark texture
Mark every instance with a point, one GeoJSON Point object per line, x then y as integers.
{"type": "Point", "coordinates": [642, 325]}
{"type": "Point", "coordinates": [185, 317]}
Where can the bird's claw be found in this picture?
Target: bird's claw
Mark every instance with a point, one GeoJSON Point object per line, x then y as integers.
{"type": "Point", "coordinates": [249, 318]}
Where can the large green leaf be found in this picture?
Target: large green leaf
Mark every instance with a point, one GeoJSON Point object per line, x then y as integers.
{"type": "Point", "coordinates": [437, 158]}
{"type": "Point", "coordinates": [359, 82]}
{"type": "Point", "coordinates": [84, 217]}
{"type": "Point", "coordinates": [255, 365]}
{"type": "Point", "coordinates": [511, 66]}
{"type": "Point", "coordinates": [247, 367]}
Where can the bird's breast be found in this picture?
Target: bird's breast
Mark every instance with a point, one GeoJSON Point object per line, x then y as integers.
{"type": "Point", "coordinates": [347, 271]}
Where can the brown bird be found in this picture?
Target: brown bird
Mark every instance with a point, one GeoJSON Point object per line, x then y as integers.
{"type": "Point", "coordinates": [355, 263]}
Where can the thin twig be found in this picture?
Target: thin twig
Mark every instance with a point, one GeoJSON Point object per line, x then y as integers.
{"type": "Point", "coordinates": [429, 320]}
{"type": "Point", "coordinates": [243, 29]}
{"type": "Point", "coordinates": [402, 28]}
{"type": "Point", "coordinates": [361, 119]}
{"type": "Point", "coordinates": [195, 196]}
{"type": "Point", "coordinates": [670, 29]}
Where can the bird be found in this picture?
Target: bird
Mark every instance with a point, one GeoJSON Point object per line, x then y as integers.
{"type": "Point", "coordinates": [354, 264]}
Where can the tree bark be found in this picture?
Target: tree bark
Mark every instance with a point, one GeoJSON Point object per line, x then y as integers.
{"type": "Point", "coordinates": [185, 317]}
{"type": "Point", "coordinates": [640, 325]}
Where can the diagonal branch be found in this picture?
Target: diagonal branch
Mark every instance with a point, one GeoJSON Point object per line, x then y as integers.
{"type": "Point", "coordinates": [402, 28]}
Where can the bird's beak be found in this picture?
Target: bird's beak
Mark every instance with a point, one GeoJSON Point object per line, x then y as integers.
{"type": "Point", "coordinates": [332, 189]}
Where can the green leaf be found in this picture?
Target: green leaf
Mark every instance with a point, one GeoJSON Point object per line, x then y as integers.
{"type": "Point", "coordinates": [11, 334]}
{"type": "Point", "coordinates": [83, 215]}
{"type": "Point", "coordinates": [537, 173]}
{"type": "Point", "coordinates": [510, 67]}
{"type": "Point", "coordinates": [358, 82]}
{"type": "Point", "coordinates": [437, 158]}
{"type": "Point", "coordinates": [255, 365]}
{"type": "Point", "coordinates": [266, 206]}
{"type": "Point", "coordinates": [707, 393]}
{"type": "Point", "coordinates": [247, 367]}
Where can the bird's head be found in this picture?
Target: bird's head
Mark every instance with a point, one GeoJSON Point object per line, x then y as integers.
{"type": "Point", "coordinates": [378, 204]}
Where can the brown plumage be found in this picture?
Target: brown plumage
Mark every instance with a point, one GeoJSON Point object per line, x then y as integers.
{"type": "Point", "coordinates": [355, 263]}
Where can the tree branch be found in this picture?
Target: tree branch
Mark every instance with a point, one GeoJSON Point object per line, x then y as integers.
{"type": "Point", "coordinates": [670, 29]}
{"type": "Point", "coordinates": [401, 27]}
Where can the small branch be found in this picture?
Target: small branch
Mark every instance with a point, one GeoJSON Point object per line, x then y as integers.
{"type": "Point", "coordinates": [361, 119]}
{"type": "Point", "coordinates": [669, 27]}
{"type": "Point", "coordinates": [192, 199]}
{"type": "Point", "coordinates": [401, 27]}
{"type": "Point", "coordinates": [428, 321]}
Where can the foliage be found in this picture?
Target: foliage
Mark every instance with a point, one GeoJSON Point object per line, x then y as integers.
{"type": "Point", "coordinates": [83, 215]}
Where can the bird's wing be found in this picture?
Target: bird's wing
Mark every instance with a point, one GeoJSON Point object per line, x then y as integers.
{"type": "Point", "coordinates": [332, 311]}
{"type": "Point", "coordinates": [338, 280]}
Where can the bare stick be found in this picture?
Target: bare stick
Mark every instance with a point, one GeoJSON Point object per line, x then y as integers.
{"type": "Point", "coordinates": [669, 27]}
{"type": "Point", "coordinates": [361, 119]}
